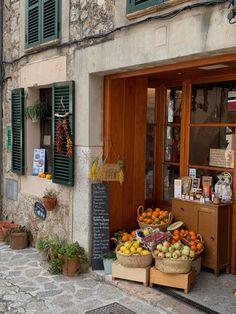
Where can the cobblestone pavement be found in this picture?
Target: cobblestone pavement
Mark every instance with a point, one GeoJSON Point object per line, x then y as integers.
{"type": "Point", "coordinates": [27, 287]}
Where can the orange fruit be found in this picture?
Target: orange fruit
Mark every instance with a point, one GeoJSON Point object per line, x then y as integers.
{"type": "Point", "coordinates": [192, 233]}
{"type": "Point", "coordinates": [149, 214]}
{"type": "Point", "coordinates": [154, 215]}
{"type": "Point", "coordinates": [176, 232]}
{"type": "Point", "coordinates": [199, 246]}
{"type": "Point", "coordinates": [176, 237]}
{"type": "Point", "coordinates": [125, 237]}
{"type": "Point", "coordinates": [149, 209]}
{"type": "Point", "coordinates": [194, 237]}
{"type": "Point", "coordinates": [193, 248]}
{"type": "Point", "coordinates": [144, 215]}
{"type": "Point", "coordinates": [192, 243]}
{"type": "Point", "coordinates": [157, 210]}
{"type": "Point", "coordinates": [133, 234]}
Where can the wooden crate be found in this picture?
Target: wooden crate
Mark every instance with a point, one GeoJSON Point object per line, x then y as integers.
{"type": "Point", "coordinates": [128, 273]}
{"type": "Point", "coordinates": [182, 281]}
{"type": "Point", "coordinates": [197, 265]}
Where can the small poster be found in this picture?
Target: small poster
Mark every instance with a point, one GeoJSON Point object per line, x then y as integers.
{"type": "Point", "coordinates": [110, 172]}
{"type": "Point", "coordinates": [38, 161]}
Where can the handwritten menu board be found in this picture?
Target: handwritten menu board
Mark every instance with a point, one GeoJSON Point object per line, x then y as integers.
{"type": "Point", "coordinates": [100, 224]}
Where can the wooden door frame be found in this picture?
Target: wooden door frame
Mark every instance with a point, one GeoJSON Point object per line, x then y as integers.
{"type": "Point", "coordinates": [185, 124]}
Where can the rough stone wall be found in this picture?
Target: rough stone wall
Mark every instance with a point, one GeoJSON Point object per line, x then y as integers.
{"type": "Point", "coordinates": [87, 17]}
{"type": "Point", "coordinates": [90, 17]}
{"type": "Point", "coordinates": [11, 29]}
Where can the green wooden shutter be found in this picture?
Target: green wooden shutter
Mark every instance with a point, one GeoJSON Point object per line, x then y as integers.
{"type": "Point", "coordinates": [17, 116]}
{"type": "Point", "coordinates": [50, 20]}
{"type": "Point", "coordinates": [8, 137]}
{"type": "Point", "coordinates": [135, 5]}
{"type": "Point", "coordinates": [32, 23]}
{"type": "Point", "coordinates": [62, 165]}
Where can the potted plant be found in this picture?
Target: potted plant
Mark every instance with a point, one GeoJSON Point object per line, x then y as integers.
{"type": "Point", "coordinates": [72, 254]}
{"type": "Point", "coordinates": [8, 226]}
{"type": "Point", "coordinates": [36, 111]}
{"type": "Point", "coordinates": [107, 259]}
{"type": "Point", "coordinates": [19, 238]}
{"type": "Point", "coordinates": [43, 246]}
{"type": "Point", "coordinates": [49, 199]}
{"type": "Point", "coordinates": [2, 224]}
{"type": "Point", "coordinates": [55, 266]}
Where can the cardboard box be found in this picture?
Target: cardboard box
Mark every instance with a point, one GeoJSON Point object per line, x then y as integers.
{"type": "Point", "coordinates": [177, 188]}
{"type": "Point", "coordinates": [222, 158]}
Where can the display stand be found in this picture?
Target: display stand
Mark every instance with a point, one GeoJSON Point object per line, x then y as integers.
{"type": "Point", "coordinates": [128, 273]}
{"type": "Point", "coordinates": [182, 281]}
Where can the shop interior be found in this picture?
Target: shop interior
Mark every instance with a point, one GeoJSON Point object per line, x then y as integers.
{"type": "Point", "coordinates": [177, 122]}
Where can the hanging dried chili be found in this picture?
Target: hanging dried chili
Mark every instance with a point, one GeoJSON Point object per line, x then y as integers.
{"type": "Point", "coordinates": [62, 129]}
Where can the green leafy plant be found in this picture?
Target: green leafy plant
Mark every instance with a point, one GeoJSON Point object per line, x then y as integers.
{"type": "Point", "coordinates": [50, 193]}
{"type": "Point", "coordinates": [72, 251]}
{"type": "Point", "coordinates": [43, 244]}
{"type": "Point", "coordinates": [36, 111]}
{"type": "Point", "coordinates": [55, 266]}
{"type": "Point", "coordinates": [109, 255]}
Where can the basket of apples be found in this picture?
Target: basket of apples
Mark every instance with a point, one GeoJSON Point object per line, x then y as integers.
{"type": "Point", "coordinates": [173, 258]}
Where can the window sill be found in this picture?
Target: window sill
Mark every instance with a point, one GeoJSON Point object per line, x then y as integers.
{"type": "Point", "coordinates": [49, 44]}
{"type": "Point", "coordinates": [155, 8]}
{"type": "Point", "coordinates": [36, 186]}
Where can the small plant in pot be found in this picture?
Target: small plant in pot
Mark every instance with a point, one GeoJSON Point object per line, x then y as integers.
{"type": "Point", "coordinates": [49, 199]}
{"type": "Point", "coordinates": [19, 238]}
{"type": "Point", "coordinates": [108, 259]}
{"type": "Point", "coordinates": [43, 246]}
{"type": "Point", "coordinates": [72, 255]}
{"type": "Point", "coordinates": [36, 111]}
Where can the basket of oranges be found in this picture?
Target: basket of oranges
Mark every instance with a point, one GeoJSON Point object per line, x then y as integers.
{"type": "Point", "coordinates": [154, 218]}
{"type": "Point", "coordinates": [189, 238]}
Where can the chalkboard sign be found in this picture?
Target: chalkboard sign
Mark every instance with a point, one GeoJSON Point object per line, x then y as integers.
{"type": "Point", "coordinates": [40, 210]}
{"type": "Point", "coordinates": [100, 224]}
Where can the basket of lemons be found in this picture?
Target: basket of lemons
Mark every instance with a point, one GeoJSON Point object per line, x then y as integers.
{"type": "Point", "coordinates": [132, 254]}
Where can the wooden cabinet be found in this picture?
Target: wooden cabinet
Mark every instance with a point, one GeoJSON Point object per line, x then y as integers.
{"type": "Point", "coordinates": [213, 222]}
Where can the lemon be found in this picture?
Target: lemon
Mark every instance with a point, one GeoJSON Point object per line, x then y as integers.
{"type": "Point", "coordinates": [139, 249]}
{"type": "Point", "coordinates": [145, 232]}
{"type": "Point", "coordinates": [132, 249]}
{"type": "Point", "coordinates": [145, 252]}
{"type": "Point", "coordinates": [128, 244]}
{"type": "Point", "coordinates": [126, 251]}
{"type": "Point", "coordinates": [122, 248]}
{"type": "Point", "coordinates": [136, 244]}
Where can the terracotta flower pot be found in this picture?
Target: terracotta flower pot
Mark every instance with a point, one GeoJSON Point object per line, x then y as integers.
{"type": "Point", "coordinates": [49, 202]}
{"type": "Point", "coordinates": [7, 227]}
{"type": "Point", "coordinates": [70, 266]}
{"type": "Point", "coordinates": [19, 240]}
{"type": "Point", "coordinates": [3, 223]}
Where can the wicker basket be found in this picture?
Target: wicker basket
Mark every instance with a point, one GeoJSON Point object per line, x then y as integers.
{"type": "Point", "coordinates": [143, 225]}
{"type": "Point", "coordinates": [173, 266]}
{"type": "Point", "coordinates": [203, 245]}
{"type": "Point", "coordinates": [133, 260]}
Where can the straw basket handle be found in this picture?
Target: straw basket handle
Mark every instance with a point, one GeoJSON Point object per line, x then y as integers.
{"type": "Point", "coordinates": [170, 216]}
{"type": "Point", "coordinates": [140, 210]}
{"type": "Point", "coordinates": [200, 237]}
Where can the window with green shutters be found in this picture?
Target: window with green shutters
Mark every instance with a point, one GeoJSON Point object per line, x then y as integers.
{"type": "Point", "coordinates": [136, 5]}
{"type": "Point", "coordinates": [17, 117]}
{"type": "Point", "coordinates": [42, 21]}
{"type": "Point", "coordinates": [8, 137]}
{"type": "Point", "coordinates": [63, 105]}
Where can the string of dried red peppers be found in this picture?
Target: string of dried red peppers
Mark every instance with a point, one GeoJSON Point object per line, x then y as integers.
{"type": "Point", "coordinates": [62, 128]}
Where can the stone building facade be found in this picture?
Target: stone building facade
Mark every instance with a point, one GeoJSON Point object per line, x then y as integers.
{"type": "Point", "coordinates": [97, 39]}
